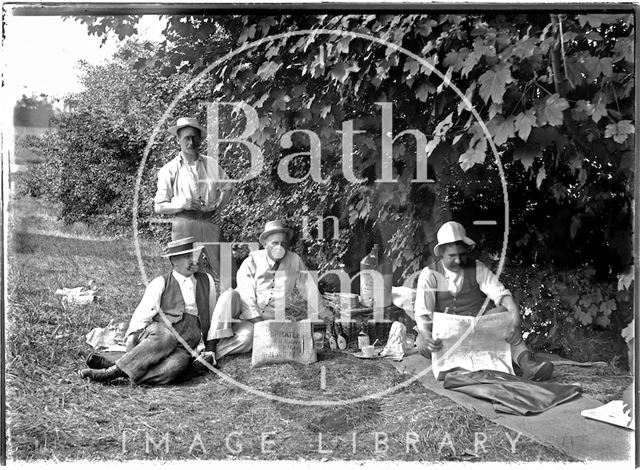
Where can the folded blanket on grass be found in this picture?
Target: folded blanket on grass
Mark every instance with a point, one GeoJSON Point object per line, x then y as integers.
{"type": "Point", "coordinates": [508, 393]}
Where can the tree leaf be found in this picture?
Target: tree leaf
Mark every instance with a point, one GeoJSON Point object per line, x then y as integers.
{"type": "Point", "coordinates": [524, 122]}
{"type": "Point", "coordinates": [526, 154]}
{"type": "Point", "coordinates": [493, 84]}
{"type": "Point", "coordinates": [599, 111]}
{"type": "Point", "coordinates": [474, 154]}
{"type": "Point", "coordinates": [501, 129]}
{"type": "Point", "coordinates": [550, 112]}
{"type": "Point", "coordinates": [470, 62]}
{"type": "Point", "coordinates": [620, 131]}
{"type": "Point", "coordinates": [542, 174]}
{"type": "Point", "coordinates": [268, 70]}
{"type": "Point", "coordinates": [422, 93]}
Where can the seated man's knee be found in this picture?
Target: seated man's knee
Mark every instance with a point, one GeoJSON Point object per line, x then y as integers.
{"type": "Point", "coordinates": [162, 335]}
{"type": "Point", "coordinates": [245, 333]}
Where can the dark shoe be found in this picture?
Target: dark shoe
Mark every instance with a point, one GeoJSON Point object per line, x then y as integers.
{"type": "Point", "coordinates": [102, 375]}
{"type": "Point", "coordinates": [533, 369]}
{"type": "Point", "coordinates": [98, 361]}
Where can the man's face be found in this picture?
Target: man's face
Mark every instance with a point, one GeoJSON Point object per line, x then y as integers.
{"type": "Point", "coordinates": [186, 264]}
{"type": "Point", "coordinates": [454, 256]}
{"type": "Point", "coordinates": [189, 139]}
{"type": "Point", "coordinates": [277, 245]}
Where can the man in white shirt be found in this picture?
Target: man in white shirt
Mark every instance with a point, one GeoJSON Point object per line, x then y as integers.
{"type": "Point", "coordinates": [168, 325]}
{"type": "Point", "coordinates": [193, 188]}
{"type": "Point", "coordinates": [457, 286]}
{"type": "Point", "coordinates": [265, 282]}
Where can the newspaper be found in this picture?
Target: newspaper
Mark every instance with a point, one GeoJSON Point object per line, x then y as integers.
{"type": "Point", "coordinates": [483, 346]}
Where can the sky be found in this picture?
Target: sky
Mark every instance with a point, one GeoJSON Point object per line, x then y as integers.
{"type": "Point", "coordinates": [40, 53]}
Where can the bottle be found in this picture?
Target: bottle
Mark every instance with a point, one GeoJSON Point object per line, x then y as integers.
{"type": "Point", "coordinates": [369, 262]}
{"type": "Point", "coordinates": [343, 341]}
{"type": "Point", "coordinates": [333, 340]}
{"type": "Point", "coordinates": [374, 261]}
{"type": "Point", "coordinates": [363, 337]}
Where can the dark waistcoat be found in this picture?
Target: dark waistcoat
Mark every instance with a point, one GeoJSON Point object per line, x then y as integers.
{"type": "Point", "coordinates": [470, 298]}
{"type": "Point", "coordinates": [172, 302]}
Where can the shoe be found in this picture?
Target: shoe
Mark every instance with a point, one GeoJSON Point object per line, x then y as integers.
{"type": "Point", "coordinates": [533, 369]}
{"type": "Point", "coordinates": [98, 361]}
{"type": "Point", "coordinates": [102, 375]}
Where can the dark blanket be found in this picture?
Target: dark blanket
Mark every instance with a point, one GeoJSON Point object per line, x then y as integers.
{"type": "Point", "coordinates": [508, 393]}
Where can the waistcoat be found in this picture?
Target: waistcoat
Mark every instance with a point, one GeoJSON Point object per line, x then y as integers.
{"type": "Point", "coordinates": [172, 302]}
{"type": "Point", "coordinates": [466, 302]}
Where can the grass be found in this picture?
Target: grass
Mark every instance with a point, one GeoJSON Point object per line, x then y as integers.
{"type": "Point", "coordinates": [54, 415]}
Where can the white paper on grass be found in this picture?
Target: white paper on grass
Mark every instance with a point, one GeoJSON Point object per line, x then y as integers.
{"type": "Point", "coordinates": [612, 413]}
{"type": "Point", "coordinates": [483, 347]}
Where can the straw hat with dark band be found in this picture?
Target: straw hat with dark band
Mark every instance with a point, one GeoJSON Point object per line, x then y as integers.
{"type": "Point", "coordinates": [187, 122]}
{"type": "Point", "coordinates": [180, 247]}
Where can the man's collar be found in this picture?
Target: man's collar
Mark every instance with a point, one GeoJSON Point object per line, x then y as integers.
{"type": "Point", "coordinates": [180, 278]}
{"type": "Point", "coordinates": [450, 274]}
{"type": "Point", "coordinates": [182, 158]}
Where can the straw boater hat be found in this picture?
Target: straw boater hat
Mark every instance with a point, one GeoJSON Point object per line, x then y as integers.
{"type": "Point", "coordinates": [181, 247]}
{"type": "Point", "coordinates": [187, 122]}
{"type": "Point", "coordinates": [275, 226]}
{"type": "Point", "coordinates": [452, 232]}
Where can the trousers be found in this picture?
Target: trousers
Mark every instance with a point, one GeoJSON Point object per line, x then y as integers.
{"type": "Point", "coordinates": [235, 335]}
{"type": "Point", "coordinates": [159, 358]}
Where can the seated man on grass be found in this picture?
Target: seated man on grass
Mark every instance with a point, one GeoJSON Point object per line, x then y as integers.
{"type": "Point", "coordinates": [156, 353]}
{"type": "Point", "coordinates": [265, 283]}
{"type": "Point", "coordinates": [460, 287]}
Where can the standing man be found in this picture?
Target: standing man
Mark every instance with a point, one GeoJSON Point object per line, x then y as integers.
{"type": "Point", "coordinates": [192, 188]}
{"type": "Point", "coordinates": [461, 286]}
{"type": "Point", "coordinates": [156, 353]}
{"type": "Point", "coordinates": [266, 280]}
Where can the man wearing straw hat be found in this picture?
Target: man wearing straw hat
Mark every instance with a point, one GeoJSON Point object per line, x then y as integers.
{"type": "Point", "coordinates": [265, 281]}
{"type": "Point", "coordinates": [192, 188]}
{"type": "Point", "coordinates": [460, 286]}
{"type": "Point", "coordinates": [172, 318]}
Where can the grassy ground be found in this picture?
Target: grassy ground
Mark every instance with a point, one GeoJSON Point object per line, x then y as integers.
{"type": "Point", "coordinates": [52, 414]}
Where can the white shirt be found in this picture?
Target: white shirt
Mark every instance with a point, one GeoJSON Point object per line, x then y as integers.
{"type": "Point", "coordinates": [263, 292]}
{"type": "Point", "coordinates": [201, 180]}
{"type": "Point", "coordinates": [149, 306]}
{"type": "Point", "coordinates": [430, 282]}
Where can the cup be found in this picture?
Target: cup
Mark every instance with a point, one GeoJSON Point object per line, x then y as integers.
{"type": "Point", "coordinates": [367, 351]}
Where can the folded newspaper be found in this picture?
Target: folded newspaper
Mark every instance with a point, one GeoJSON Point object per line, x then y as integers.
{"type": "Point", "coordinates": [473, 343]}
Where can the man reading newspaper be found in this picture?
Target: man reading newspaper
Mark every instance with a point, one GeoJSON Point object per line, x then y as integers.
{"type": "Point", "coordinates": [459, 286]}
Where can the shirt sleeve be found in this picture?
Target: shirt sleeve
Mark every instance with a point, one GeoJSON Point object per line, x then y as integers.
{"type": "Point", "coordinates": [426, 294]}
{"type": "Point", "coordinates": [164, 193]}
{"type": "Point", "coordinates": [246, 287]}
{"type": "Point", "coordinates": [489, 283]}
{"type": "Point", "coordinates": [148, 307]}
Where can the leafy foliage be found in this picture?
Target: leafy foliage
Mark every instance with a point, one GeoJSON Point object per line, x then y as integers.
{"type": "Point", "coordinates": [556, 93]}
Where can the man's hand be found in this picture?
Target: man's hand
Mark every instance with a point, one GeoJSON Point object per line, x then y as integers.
{"type": "Point", "coordinates": [209, 357]}
{"type": "Point", "coordinates": [430, 345]}
{"type": "Point", "coordinates": [189, 205]}
{"type": "Point", "coordinates": [131, 341]}
{"type": "Point", "coordinates": [514, 335]}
